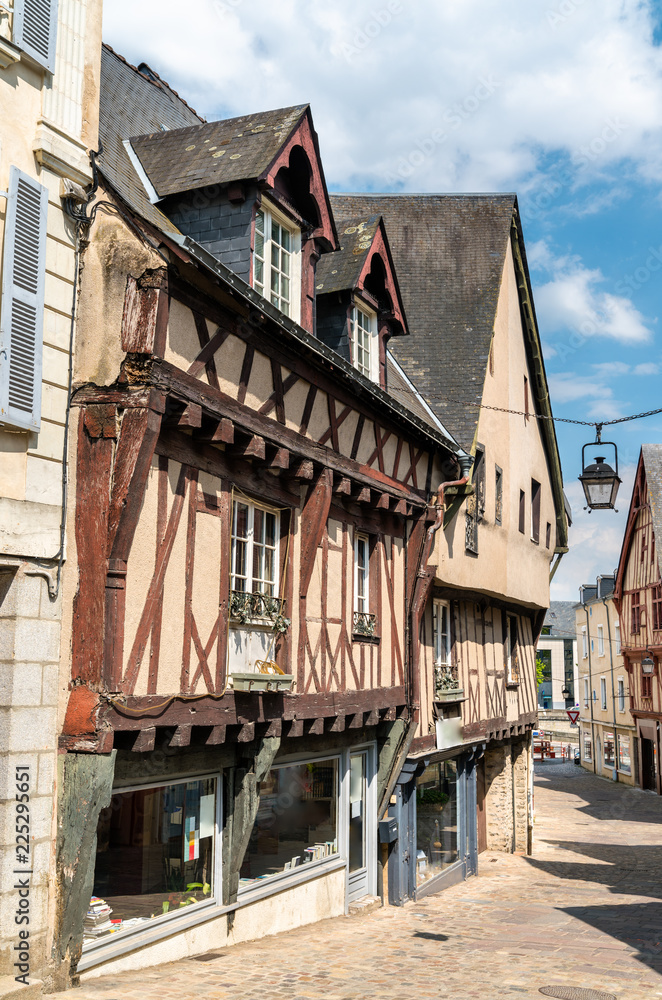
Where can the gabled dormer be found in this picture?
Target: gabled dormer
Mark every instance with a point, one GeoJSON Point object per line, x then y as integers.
{"type": "Point", "coordinates": [251, 190]}
{"type": "Point", "coordinates": [358, 299]}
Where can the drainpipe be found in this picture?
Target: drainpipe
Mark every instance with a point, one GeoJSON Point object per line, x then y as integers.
{"type": "Point", "coordinates": [613, 692]}
{"type": "Point", "coordinates": [590, 685]}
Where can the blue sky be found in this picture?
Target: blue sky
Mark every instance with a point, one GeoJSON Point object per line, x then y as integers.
{"type": "Point", "coordinates": [558, 100]}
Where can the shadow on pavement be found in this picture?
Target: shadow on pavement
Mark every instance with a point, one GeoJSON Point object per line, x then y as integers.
{"type": "Point", "coordinates": [634, 870]}
{"type": "Point", "coordinates": [429, 936]}
{"type": "Point", "coordinates": [637, 925]}
{"type": "Point", "coordinates": [605, 800]}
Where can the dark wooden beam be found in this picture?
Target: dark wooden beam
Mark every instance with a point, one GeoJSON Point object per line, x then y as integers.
{"type": "Point", "coordinates": [303, 470]}
{"type": "Point", "coordinates": [383, 502]}
{"type": "Point", "coordinates": [246, 733]}
{"type": "Point", "coordinates": [253, 448]}
{"type": "Point", "coordinates": [221, 405]}
{"type": "Point", "coordinates": [314, 515]}
{"type": "Point", "coordinates": [145, 740]}
{"type": "Point", "coordinates": [181, 737]}
{"type": "Point", "coordinates": [343, 486]}
{"type": "Point", "coordinates": [280, 459]}
{"type": "Point", "coordinates": [315, 727]}
{"type": "Point", "coordinates": [191, 416]}
{"type": "Point", "coordinates": [216, 736]}
{"type": "Point", "coordinates": [224, 431]}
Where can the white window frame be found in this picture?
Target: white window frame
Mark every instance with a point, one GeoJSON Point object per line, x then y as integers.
{"type": "Point", "coordinates": [360, 537]}
{"type": "Point", "coordinates": [252, 506]}
{"type": "Point", "coordinates": [584, 643]}
{"type": "Point", "coordinates": [621, 694]}
{"type": "Point", "coordinates": [165, 925]}
{"type": "Point", "coordinates": [273, 216]}
{"type": "Point", "coordinates": [601, 640]}
{"type": "Point", "coordinates": [587, 693]}
{"type": "Point", "coordinates": [603, 694]}
{"type": "Point", "coordinates": [617, 638]}
{"type": "Point", "coordinates": [371, 370]}
{"type": "Point", "coordinates": [441, 638]}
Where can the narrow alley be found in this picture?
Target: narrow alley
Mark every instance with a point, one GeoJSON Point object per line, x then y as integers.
{"type": "Point", "coordinates": [584, 912]}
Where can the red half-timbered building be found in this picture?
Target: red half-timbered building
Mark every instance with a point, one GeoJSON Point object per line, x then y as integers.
{"type": "Point", "coordinates": [247, 532]}
{"type": "Point", "coordinates": [638, 598]}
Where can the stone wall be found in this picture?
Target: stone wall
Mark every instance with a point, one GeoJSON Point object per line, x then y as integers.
{"type": "Point", "coordinates": [29, 655]}
{"type": "Point", "coordinates": [507, 776]}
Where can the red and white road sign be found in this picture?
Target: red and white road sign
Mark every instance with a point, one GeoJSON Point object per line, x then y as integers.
{"type": "Point", "coordinates": [573, 715]}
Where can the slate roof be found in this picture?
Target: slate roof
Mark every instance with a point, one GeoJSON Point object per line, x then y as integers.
{"type": "Point", "coordinates": [340, 270]}
{"type": "Point", "coordinates": [235, 149]}
{"type": "Point", "coordinates": [652, 456]}
{"type": "Point", "coordinates": [449, 252]}
{"type": "Point", "coordinates": [403, 390]}
{"type": "Point", "coordinates": [132, 103]}
{"type": "Point", "coordinates": [561, 619]}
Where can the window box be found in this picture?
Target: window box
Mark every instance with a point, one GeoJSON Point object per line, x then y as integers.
{"type": "Point", "coordinates": [449, 695]}
{"type": "Point", "coordinates": [262, 683]}
{"type": "Point", "coordinates": [250, 608]}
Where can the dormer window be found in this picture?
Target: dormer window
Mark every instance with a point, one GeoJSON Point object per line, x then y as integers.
{"type": "Point", "coordinates": [363, 343]}
{"type": "Point", "coordinates": [276, 261]}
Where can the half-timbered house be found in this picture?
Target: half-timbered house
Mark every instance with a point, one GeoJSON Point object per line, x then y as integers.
{"type": "Point", "coordinates": [638, 598]}
{"type": "Point", "coordinates": [474, 353]}
{"type": "Point", "coordinates": [246, 545]}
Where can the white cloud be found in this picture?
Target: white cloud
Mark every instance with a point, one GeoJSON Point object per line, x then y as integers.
{"type": "Point", "coordinates": [595, 539]}
{"type": "Point", "coordinates": [573, 302]}
{"type": "Point", "coordinates": [609, 368]}
{"type": "Point", "coordinates": [565, 387]}
{"type": "Point", "coordinates": [647, 368]}
{"type": "Point", "coordinates": [508, 95]}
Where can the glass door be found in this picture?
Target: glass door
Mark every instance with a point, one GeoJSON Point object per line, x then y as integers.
{"type": "Point", "coordinates": [361, 822]}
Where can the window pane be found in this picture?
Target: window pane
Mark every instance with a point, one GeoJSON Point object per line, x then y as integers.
{"type": "Point", "coordinates": [259, 221]}
{"type": "Point", "coordinates": [436, 820]}
{"type": "Point", "coordinates": [155, 855]}
{"type": "Point", "coordinates": [285, 239]}
{"type": "Point", "coordinates": [357, 812]}
{"type": "Point", "coordinates": [285, 263]}
{"type": "Point", "coordinates": [296, 820]}
{"type": "Point", "coordinates": [275, 281]}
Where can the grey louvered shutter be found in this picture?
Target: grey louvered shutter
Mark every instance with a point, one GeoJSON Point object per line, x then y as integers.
{"type": "Point", "coordinates": [35, 30]}
{"type": "Point", "coordinates": [22, 305]}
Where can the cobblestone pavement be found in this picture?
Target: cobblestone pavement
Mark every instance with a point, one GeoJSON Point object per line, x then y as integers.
{"type": "Point", "coordinates": [585, 910]}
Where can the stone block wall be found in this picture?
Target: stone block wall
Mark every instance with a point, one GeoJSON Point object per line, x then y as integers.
{"type": "Point", "coordinates": [29, 655]}
{"type": "Point", "coordinates": [507, 776]}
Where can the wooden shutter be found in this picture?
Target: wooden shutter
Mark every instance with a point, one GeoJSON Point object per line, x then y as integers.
{"type": "Point", "coordinates": [35, 30]}
{"type": "Point", "coordinates": [22, 305]}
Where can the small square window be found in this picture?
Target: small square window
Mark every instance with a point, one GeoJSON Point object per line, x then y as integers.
{"type": "Point", "coordinates": [276, 261]}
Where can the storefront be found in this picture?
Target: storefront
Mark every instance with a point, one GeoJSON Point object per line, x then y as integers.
{"type": "Point", "coordinates": [435, 806]}
{"type": "Point", "coordinates": [164, 849]}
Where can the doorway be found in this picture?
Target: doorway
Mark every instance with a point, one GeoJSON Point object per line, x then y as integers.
{"type": "Point", "coordinates": [361, 845]}
{"type": "Point", "coordinates": [648, 777]}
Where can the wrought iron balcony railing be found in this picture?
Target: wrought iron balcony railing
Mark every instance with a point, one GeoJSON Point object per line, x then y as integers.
{"type": "Point", "coordinates": [256, 607]}
{"type": "Point", "coordinates": [364, 624]}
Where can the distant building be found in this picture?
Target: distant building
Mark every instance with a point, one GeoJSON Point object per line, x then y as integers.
{"type": "Point", "coordinates": [557, 648]}
{"type": "Point", "coordinates": [607, 731]}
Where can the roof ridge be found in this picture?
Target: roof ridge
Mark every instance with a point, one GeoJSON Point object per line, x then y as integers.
{"type": "Point", "coordinates": [155, 79]}
{"type": "Point", "coordinates": [423, 194]}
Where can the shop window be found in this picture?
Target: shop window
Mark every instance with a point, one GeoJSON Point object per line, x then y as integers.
{"type": "Point", "coordinates": [621, 695]}
{"type": "Point", "coordinates": [608, 749]}
{"type": "Point", "coordinates": [587, 747]}
{"type": "Point", "coordinates": [511, 651]}
{"type": "Point", "coordinates": [436, 820]}
{"type": "Point", "coordinates": [297, 821]}
{"type": "Point", "coordinates": [156, 856]}
{"type": "Point", "coordinates": [624, 758]}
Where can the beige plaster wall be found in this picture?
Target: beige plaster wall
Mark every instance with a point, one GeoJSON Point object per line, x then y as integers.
{"type": "Point", "coordinates": [508, 563]}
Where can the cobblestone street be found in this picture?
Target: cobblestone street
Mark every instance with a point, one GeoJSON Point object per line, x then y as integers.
{"type": "Point", "coordinates": [585, 911]}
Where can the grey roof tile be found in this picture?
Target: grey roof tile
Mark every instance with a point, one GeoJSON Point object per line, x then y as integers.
{"type": "Point", "coordinates": [449, 252]}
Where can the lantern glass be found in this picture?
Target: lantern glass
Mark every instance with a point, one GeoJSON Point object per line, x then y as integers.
{"type": "Point", "coordinates": [600, 484]}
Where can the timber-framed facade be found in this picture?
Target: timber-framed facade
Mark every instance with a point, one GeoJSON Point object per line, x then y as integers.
{"type": "Point", "coordinates": [292, 604]}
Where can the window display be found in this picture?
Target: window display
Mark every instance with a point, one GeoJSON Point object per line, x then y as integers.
{"type": "Point", "coordinates": [436, 820]}
{"type": "Point", "coordinates": [624, 759]}
{"type": "Point", "coordinates": [297, 820]}
{"type": "Point", "coordinates": [155, 855]}
{"type": "Point", "coordinates": [609, 758]}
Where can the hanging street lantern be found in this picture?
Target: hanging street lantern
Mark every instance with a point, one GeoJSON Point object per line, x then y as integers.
{"type": "Point", "coordinates": [599, 480]}
{"type": "Point", "coordinates": [647, 664]}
